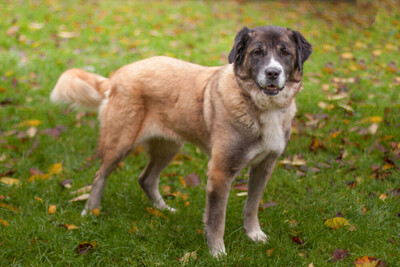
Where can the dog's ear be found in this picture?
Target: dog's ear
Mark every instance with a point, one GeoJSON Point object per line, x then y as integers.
{"type": "Point", "coordinates": [239, 48]}
{"type": "Point", "coordinates": [303, 50]}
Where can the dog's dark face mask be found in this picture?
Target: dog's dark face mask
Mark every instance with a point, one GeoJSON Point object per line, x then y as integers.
{"type": "Point", "coordinates": [268, 59]}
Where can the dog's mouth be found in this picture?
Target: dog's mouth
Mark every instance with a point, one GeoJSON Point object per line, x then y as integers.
{"type": "Point", "coordinates": [271, 90]}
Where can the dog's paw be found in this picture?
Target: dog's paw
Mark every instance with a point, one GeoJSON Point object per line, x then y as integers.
{"type": "Point", "coordinates": [218, 252]}
{"type": "Point", "coordinates": [162, 206]}
{"type": "Point", "coordinates": [84, 212]}
{"type": "Point", "coordinates": [258, 236]}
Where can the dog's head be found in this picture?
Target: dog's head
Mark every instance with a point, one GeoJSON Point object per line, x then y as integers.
{"type": "Point", "coordinates": [268, 63]}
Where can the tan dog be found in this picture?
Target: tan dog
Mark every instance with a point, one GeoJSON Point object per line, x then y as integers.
{"type": "Point", "coordinates": [240, 114]}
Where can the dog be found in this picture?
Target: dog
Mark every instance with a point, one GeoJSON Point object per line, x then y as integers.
{"type": "Point", "coordinates": [240, 114]}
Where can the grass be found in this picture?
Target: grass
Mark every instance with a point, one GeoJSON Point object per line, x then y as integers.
{"type": "Point", "coordinates": [110, 34]}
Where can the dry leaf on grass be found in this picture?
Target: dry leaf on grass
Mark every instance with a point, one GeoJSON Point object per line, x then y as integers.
{"type": "Point", "coordinates": [80, 198]}
{"type": "Point", "coordinates": [367, 261]}
{"type": "Point", "coordinates": [339, 254]}
{"type": "Point", "coordinates": [52, 209]}
{"type": "Point", "coordinates": [192, 180]}
{"type": "Point", "coordinates": [82, 190]}
{"type": "Point", "coordinates": [188, 256]}
{"type": "Point", "coordinates": [338, 222]}
{"type": "Point", "coordinates": [156, 213]}
{"type": "Point", "coordinates": [4, 223]}
{"type": "Point", "coordinates": [10, 181]}
{"type": "Point", "coordinates": [86, 247]}
{"type": "Point", "coordinates": [95, 212]}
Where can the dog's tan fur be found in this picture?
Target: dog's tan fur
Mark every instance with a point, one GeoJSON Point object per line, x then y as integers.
{"type": "Point", "coordinates": [161, 102]}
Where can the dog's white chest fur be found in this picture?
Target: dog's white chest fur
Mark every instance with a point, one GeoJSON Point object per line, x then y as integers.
{"type": "Point", "coordinates": [272, 139]}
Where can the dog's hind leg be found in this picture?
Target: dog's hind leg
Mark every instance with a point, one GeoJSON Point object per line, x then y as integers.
{"type": "Point", "coordinates": [161, 153]}
{"type": "Point", "coordinates": [117, 139]}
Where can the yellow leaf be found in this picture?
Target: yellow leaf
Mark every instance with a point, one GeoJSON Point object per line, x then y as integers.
{"type": "Point", "coordinates": [71, 226]}
{"type": "Point", "coordinates": [39, 199]}
{"type": "Point", "coordinates": [10, 181]}
{"type": "Point", "coordinates": [375, 119]}
{"type": "Point", "coordinates": [4, 205]}
{"type": "Point", "coordinates": [33, 123]}
{"type": "Point", "coordinates": [187, 203]}
{"type": "Point", "coordinates": [9, 73]}
{"type": "Point", "coordinates": [155, 212]}
{"type": "Point", "coordinates": [325, 105]}
{"type": "Point", "coordinates": [182, 181]}
{"type": "Point", "coordinates": [52, 209]}
{"type": "Point", "coordinates": [347, 55]}
{"type": "Point", "coordinates": [336, 222]}
{"type": "Point", "coordinates": [95, 212]}
{"type": "Point", "coordinates": [377, 53]}
{"type": "Point", "coordinates": [55, 169]}
{"type": "Point", "coordinates": [3, 222]}
{"type": "Point", "coordinates": [383, 197]}
{"type": "Point", "coordinates": [38, 177]}
{"type": "Point", "coordinates": [366, 261]}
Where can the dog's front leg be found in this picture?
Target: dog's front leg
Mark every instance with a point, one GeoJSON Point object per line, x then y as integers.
{"type": "Point", "coordinates": [218, 187]}
{"type": "Point", "coordinates": [258, 178]}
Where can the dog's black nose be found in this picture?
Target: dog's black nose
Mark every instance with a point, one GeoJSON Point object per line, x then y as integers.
{"type": "Point", "coordinates": [272, 73]}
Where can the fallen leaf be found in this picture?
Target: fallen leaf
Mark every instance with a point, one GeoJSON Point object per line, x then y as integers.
{"type": "Point", "coordinates": [4, 223]}
{"type": "Point", "coordinates": [86, 247]}
{"type": "Point", "coordinates": [339, 254]}
{"type": "Point", "coordinates": [31, 132]}
{"type": "Point", "coordinates": [188, 256]}
{"type": "Point", "coordinates": [38, 177]}
{"type": "Point", "coordinates": [82, 190]}
{"type": "Point", "coordinates": [54, 132]}
{"type": "Point", "coordinates": [268, 204]}
{"type": "Point", "coordinates": [79, 198]}
{"type": "Point", "coordinates": [336, 223]}
{"type": "Point", "coordinates": [311, 264]}
{"type": "Point", "coordinates": [155, 212]}
{"type": "Point", "coordinates": [6, 206]}
{"type": "Point", "coordinates": [367, 261]}
{"type": "Point", "coordinates": [68, 35]}
{"type": "Point", "coordinates": [134, 228]}
{"type": "Point", "coordinates": [242, 194]}
{"type": "Point", "coordinates": [182, 181]}
{"type": "Point", "coordinates": [38, 199]}
{"type": "Point", "coordinates": [12, 31]}
{"type": "Point", "coordinates": [241, 187]}
{"type": "Point", "coordinates": [373, 128]}
{"type": "Point", "coordinates": [66, 183]}
{"type": "Point", "coordinates": [69, 226]}
{"type": "Point", "coordinates": [52, 209]}
{"type": "Point", "coordinates": [192, 180]}
{"type": "Point", "coordinates": [32, 123]}
{"type": "Point", "coordinates": [56, 168]}
{"type": "Point", "coordinates": [10, 181]}
{"type": "Point", "coordinates": [269, 251]}
{"type": "Point", "coordinates": [297, 240]}
{"type": "Point", "coordinates": [347, 55]}
{"type": "Point", "coordinates": [383, 196]}
{"type": "Point", "coordinates": [95, 212]}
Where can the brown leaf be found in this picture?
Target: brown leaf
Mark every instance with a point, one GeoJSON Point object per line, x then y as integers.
{"type": "Point", "coordinates": [268, 204]}
{"type": "Point", "coordinates": [66, 183]}
{"type": "Point", "coordinates": [86, 247]}
{"type": "Point", "coordinates": [297, 240]}
{"type": "Point", "coordinates": [54, 132]}
{"type": "Point", "coordinates": [339, 254]}
{"type": "Point", "coordinates": [241, 187]}
{"type": "Point", "coordinates": [192, 180]}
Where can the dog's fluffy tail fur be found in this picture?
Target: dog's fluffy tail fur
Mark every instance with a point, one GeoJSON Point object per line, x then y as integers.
{"type": "Point", "coordinates": [80, 88]}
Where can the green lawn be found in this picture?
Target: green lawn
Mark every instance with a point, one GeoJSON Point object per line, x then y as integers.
{"type": "Point", "coordinates": [343, 158]}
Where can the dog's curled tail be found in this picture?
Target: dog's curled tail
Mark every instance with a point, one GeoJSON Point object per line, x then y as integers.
{"type": "Point", "coordinates": [80, 88]}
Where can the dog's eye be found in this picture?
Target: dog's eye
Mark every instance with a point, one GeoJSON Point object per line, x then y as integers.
{"type": "Point", "coordinates": [258, 52]}
{"type": "Point", "coordinates": [285, 52]}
